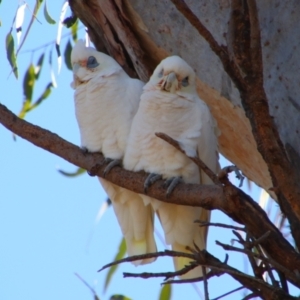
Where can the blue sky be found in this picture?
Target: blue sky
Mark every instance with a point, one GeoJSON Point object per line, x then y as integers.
{"type": "Point", "coordinates": [47, 221]}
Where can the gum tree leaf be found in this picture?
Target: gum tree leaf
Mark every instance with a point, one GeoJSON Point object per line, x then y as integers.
{"type": "Point", "coordinates": [74, 29]}
{"type": "Point", "coordinates": [47, 16]}
{"type": "Point", "coordinates": [44, 96]}
{"type": "Point", "coordinates": [28, 86]}
{"type": "Point", "coordinates": [67, 55]}
{"type": "Point", "coordinates": [166, 292]}
{"type": "Point", "coordinates": [70, 21]}
{"type": "Point", "coordinates": [59, 31]}
{"type": "Point", "coordinates": [121, 253]}
{"type": "Point", "coordinates": [28, 83]}
{"type": "Point", "coordinates": [119, 297]}
{"type": "Point", "coordinates": [79, 171]}
{"type": "Point", "coordinates": [38, 67]}
{"type": "Point", "coordinates": [19, 20]}
{"type": "Point", "coordinates": [10, 53]}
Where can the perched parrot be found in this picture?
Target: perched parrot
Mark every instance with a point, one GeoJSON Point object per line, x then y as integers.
{"type": "Point", "coordinates": [170, 104]}
{"type": "Point", "coordinates": [106, 100]}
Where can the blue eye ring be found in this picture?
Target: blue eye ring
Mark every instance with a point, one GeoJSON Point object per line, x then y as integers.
{"type": "Point", "coordinates": [185, 81]}
{"type": "Point", "coordinates": [161, 73]}
{"type": "Point", "coordinates": [92, 62]}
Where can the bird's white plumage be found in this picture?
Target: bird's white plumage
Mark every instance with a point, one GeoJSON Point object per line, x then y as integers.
{"type": "Point", "coordinates": [170, 104]}
{"type": "Point", "coordinates": [106, 99]}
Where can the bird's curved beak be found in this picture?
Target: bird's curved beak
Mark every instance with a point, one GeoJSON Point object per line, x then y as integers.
{"type": "Point", "coordinates": [170, 82]}
{"type": "Point", "coordinates": [76, 66]}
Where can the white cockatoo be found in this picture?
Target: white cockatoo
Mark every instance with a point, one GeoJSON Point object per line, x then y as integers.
{"type": "Point", "coordinates": [170, 104]}
{"type": "Point", "coordinates": [106, 99]}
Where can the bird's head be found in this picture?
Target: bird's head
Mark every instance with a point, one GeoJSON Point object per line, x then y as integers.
{"type": "Point", "coordinates": [174, 75]}
{"type": "Point", "coordinates": [87, 63]}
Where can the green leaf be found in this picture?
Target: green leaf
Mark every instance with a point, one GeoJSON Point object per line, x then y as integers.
{"type": "Point", "coordinates": [44, 96]}
{"type": "Point", "coordinates": [67, 55]}
{"type": "Point", "coordinates": [37, 5]}
{"type": "Point", "coordinates": [38, 67]}
{"type": "Point", "coordinates": [74, 29]}
{"type": "Point", "coordinates": [70, 21]}
{"type": "Point", "coordinates": [28, 83]}
{"type": "Point", "coordinates": [10, 53]}
{"type": "Point", "coordinates": [166, 292]}
{"type": "Point", "coordinates": [79, 171]}
{"type": "Point", "coordinates": [121, 253]}
{"type": "Point", "coordinates": [119, 297]}
{"type": "Point", "coordinates": [47, 16]}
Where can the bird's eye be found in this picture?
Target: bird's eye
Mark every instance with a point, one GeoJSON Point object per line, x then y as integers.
{"type": "Point", "coordinates": [185, 81]}
{"type": "Point", "coordinates": [161, 73]}
{"type": "Point", "coordinates": [92, 62]}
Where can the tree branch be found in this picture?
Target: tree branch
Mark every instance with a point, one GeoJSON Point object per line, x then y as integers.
{"type": "Point", "coordinates": [228, 199]}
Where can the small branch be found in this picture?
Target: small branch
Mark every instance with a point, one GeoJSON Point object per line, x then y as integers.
{"type": "Point", "coordinates": [264, 259]}
{"type": "Point", "coordinates": [168, 253]}
{"type": "Point", "coordinates": [167, 275]}
{"type": "Point", "coordinates": [256, 269]}
{"type": "Point", "coordinates": [205, 284]}
{"type": "Point", "coordinates": [201, 224]}
{"type": "Point", "coordinates": [231, 292]}
{"type": "Point", "coordinates": [196, 160]}
{"type": "Point", "coordinates": [197, 279]}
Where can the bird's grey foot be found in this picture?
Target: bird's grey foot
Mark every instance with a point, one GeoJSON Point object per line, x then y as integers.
{"type": "Point", "coordinates": [152, 177]}
{"type": "Point", "coordinates": [171, 183]}
{"type": "Point", "coordinates": [111, 164]}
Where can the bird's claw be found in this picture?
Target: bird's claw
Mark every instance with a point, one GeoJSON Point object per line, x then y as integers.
{"type": "Point", "coordinates": [94, 170]}
{"type": "Point", "coordinates": [85, 150]}
{"type": "Point", "coordinates": [152, 177]}
{"type": "Point", "coordinates": [170, 184]}
{"type": "Point", "coordinates": [111, 164]}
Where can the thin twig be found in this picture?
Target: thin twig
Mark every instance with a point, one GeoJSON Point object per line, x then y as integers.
{"type": "Point", "coordinates": [256, 269]}
{"type": "Point", "coordinates": [204, 223]}
{"type": "Point", "coordinates": [266, 265]}
{"type": "Point", "coordinates": [196, 160]}
{"type": "Point", "coordinates": [228, 293]}
{"type": "Point", "coordinates": [209, 275]}
{"type": "Point", "coordinates": [264, 259]}
{"type": "Point", "coordinates": [205, 283]}
{"type": "Point", "coordinates": [168, 253]}
{"type": "Point", "coordinates": [251, 296]}
{"type": "Point", "coordinates": [167, 275]}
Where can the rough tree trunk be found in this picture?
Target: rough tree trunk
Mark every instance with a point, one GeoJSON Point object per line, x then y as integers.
{"type": "Point", "coordinates": [135, 31]}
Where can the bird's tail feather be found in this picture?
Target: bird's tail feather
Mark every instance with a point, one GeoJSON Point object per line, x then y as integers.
{"type": "Point", "coordinates": [135, 219]}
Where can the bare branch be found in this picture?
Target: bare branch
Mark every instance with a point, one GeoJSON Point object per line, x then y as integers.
{"type": "Point", "coordinates": [226, 294]}
{"type": "Point", "coordinates": [201, 223]}
{"type": "Point", "coordinates": [205, 283]}
{"type": "Point", "coordinates": [263, 258]}
{"type": "Point", "coordinates": [196, 160]}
